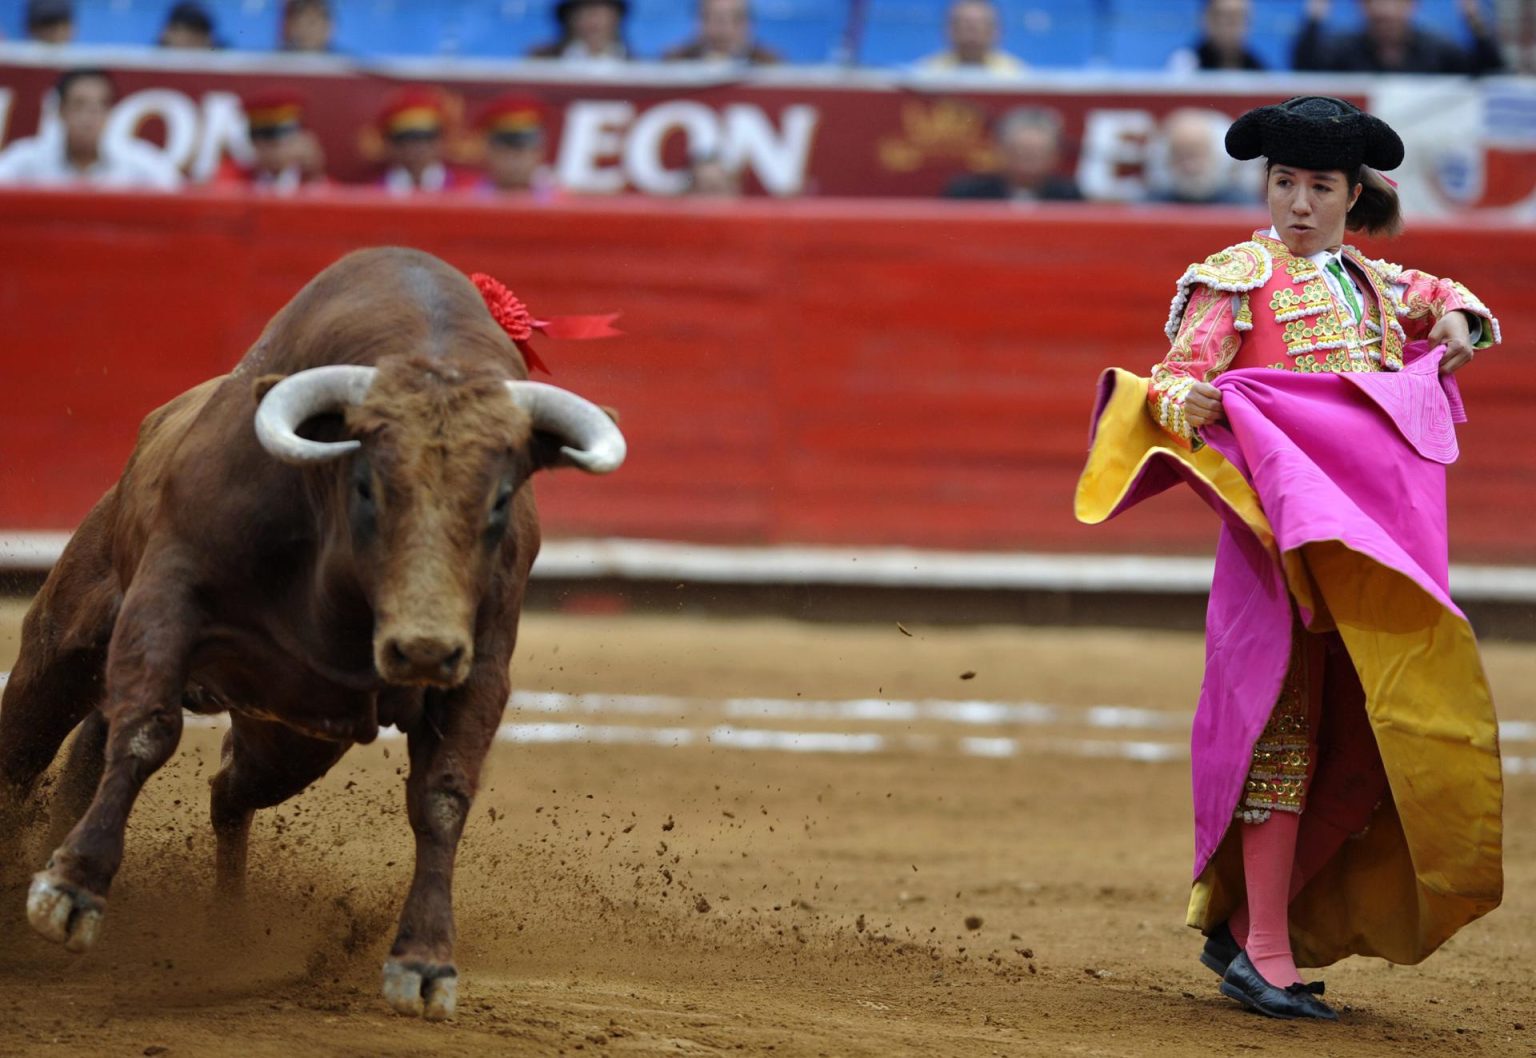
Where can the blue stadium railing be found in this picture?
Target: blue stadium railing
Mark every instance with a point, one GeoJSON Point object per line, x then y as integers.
{"type": "Point", "coordinates": [1118, 34]}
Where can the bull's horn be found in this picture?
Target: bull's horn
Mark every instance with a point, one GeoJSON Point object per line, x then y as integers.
{"type": "Point", "coordinates": [594, 442]}
{"type": "Point", "coordinates": [301, 396]}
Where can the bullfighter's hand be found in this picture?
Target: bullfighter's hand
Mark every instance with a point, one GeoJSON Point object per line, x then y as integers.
{"type": "Point", "coordinates": [1202, 405]}
{"type": "Point", "coordinates": [1452, 331]}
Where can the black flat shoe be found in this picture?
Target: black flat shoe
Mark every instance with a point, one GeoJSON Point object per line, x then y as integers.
{"type": "Point", "coordinates": [1220, 949]}
{"type": "Point", "coordinates": [1244, 983]}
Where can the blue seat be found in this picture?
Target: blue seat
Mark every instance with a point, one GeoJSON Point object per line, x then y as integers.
{"type": "Point", "coordinates": [118, 21]}
{"type": "Point", "coordinates": [400, 27]}
{"type": "Point", "coordinates": [1048, 33]}
{"type": "Point", "coordinates": [247, 25]}
{"type": "Point", "coordinates": [1142, 36]}
{"type": "Point", "coordinates": [505, 28]}
{"type": "Point", "coordinates": [803, 31]}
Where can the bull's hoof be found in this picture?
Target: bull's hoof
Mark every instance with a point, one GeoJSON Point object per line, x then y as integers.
{"type": "Point", "coordinates": [421, 989]}
{"type": "Point", "coordinates": [66, 914]}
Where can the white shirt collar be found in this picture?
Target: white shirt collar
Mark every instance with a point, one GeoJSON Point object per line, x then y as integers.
{"type": "Point", "coordinates": [1323, 258]}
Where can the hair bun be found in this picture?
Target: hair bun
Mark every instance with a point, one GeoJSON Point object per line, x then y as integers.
{"type": "Point", "coordinates": [1383, 147]}
{"type": "Point", "coordinates": [1245, 139]}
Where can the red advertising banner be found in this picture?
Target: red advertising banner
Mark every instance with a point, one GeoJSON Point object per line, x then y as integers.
{"type": "Point", "coordinates": [788, 132]}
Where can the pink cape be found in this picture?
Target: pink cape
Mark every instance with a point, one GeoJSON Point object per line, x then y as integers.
{"type": "Point", "coordinates": [1345, 468]}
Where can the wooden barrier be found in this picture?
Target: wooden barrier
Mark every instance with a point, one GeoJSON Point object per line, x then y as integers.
{"type": "Point", "coordinates": [818, 372]}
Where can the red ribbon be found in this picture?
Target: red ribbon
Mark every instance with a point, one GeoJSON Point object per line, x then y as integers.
{"type": "Point", "coordinates": [513, 317]}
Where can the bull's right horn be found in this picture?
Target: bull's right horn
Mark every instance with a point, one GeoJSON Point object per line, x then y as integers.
{"type": "Point", "coordinates": [592, 439]}
{"type": "Point", "coordinates": [302, 396]}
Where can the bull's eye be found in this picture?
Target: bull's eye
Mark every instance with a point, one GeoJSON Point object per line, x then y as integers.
{"type": "Point", "coordinates": [364, 490]}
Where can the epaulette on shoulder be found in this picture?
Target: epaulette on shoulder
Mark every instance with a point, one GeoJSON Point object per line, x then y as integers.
{"type": "Point", "coordinates": [1386, 269]}
{"type": "Point", "coordinates": [1240, 268]}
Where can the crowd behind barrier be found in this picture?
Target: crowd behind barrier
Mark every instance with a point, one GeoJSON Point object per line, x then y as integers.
{"type": "Point", "coordinates": [293, 125]}
{"type": "Point", "coordinates": [996, 36]}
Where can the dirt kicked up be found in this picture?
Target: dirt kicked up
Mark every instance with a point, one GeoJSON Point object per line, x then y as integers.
{"type": "Point", "coordinates": [713, 896]}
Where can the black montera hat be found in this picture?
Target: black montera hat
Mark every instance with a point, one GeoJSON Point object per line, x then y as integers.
{"type": "Point", "coordinates": [1315, 132]}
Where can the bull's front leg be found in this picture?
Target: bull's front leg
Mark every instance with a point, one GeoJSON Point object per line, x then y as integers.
{"type": "Point", "coordinates": [146, 671]}
{"type": "Point", "coordinates": [448, 745]}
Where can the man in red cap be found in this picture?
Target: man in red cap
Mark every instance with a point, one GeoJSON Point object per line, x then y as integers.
{"type": "Point", "coordinates": [286, 155]}
{"type": "Point", "coordinates": [412, 126]}
{"type": "Point", "coordinates": [515, 149]}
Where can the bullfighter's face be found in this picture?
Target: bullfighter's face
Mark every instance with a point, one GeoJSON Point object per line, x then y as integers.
{"type": "Point", "coordinates": [1309, 207]}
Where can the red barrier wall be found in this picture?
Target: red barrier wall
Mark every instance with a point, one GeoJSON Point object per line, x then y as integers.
{"type": "Point", "coordinates": [884, 374]}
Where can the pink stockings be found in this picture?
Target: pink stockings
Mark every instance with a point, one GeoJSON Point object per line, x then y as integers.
{"type": "Point", "coordinates": [1283, 853]}
{"type": "Point", "coordinates": [1261, 925]}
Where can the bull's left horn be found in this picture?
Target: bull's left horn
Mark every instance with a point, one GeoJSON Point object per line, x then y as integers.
{"type": "Point", "coordinates": [302, 396]}
{"type": "Point", "coordinates": [594, 442]}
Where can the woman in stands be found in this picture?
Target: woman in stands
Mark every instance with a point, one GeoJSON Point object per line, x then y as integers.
{"type": "Point", "coordinates": [1346, 773]}
{"type": "Point", "coordinates": [590, 31]}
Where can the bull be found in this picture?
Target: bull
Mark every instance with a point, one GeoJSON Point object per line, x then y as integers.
{"type": "Point", "coordinates": [332, 538]}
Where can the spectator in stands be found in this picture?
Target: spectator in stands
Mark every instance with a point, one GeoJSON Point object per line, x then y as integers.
{"type": "Point", "coordinates": [412, 126]}
{"type": "Point", "coordinates": [287, 155]}
{"type": "Point", "coordinates": [51, 21]}
{"type": "Point", "coordinates": [973, 39]}
{"type": "Point", "coordinates": [725, 36]}
{"type": "Point", "coordinates": [1189, 164]}
{"type": "Point", "coordinates": [308, 26]}
{"type": "Point", "coordinates": [515, 147]}
{"type": "Point", "coordinates": [1223, 44]}
{"type": "Point", "coordinates": [590, 31]}
{"type": "Point", "coordinates": [1391, 43]}
{"type": "Point", "coordinates": [710, 177]}
{"type": "Point", "coordinates": [1029, 142]}
{"type": "Point", "coordinates": [188, 25]}
{"type": "Point", "coordinates": [74, 151]}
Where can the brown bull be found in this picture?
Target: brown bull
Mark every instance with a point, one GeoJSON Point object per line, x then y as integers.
{"type": "Point", "coordinates": [334, 537]}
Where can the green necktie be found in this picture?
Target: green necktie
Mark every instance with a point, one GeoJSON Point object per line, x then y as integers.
{"type": "Point", "coordinates": [1337, 268]}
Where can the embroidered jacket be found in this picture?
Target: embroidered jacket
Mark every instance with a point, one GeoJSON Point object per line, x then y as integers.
{"type": "Point", "coordinates": [1257, 305]}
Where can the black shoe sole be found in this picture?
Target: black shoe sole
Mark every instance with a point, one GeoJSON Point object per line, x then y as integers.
{"type": "Point", "coordinates": [1213, 964]}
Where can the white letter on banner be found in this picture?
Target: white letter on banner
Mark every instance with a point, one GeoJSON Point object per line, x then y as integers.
{"type": "Point", "coordinates": [224, 129]}
{"type": "Point", "coordinates": [642, 154]}
{"type": "Point", "coordinates": [778, 161]}
{"type": "Point", "coordinates": [174, 108]}
{"type": "Point", "coordinates": [591, 134]}
{"type": "Point", "coordinates": [1114, 140]}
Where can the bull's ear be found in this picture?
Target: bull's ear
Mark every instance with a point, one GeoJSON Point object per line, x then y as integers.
{"type": "Point", "coordinates": [260, 387]}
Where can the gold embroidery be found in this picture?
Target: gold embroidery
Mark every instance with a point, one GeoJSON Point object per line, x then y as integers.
{"type": "Point", "coordinates": [1282, 757]}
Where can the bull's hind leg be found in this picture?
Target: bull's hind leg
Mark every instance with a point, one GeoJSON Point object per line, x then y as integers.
{"type": "Point", "coordinates": [264, 764]}
{"type": "Point", "coordinates": [448, 747]}
{"type": "Point", "coordinates": [146, 673]}
{"type": "Point", "coordinates": [78, 778]}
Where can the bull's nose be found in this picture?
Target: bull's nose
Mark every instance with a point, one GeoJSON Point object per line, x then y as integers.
{"type": "Point", "coordinates": [432, 659]}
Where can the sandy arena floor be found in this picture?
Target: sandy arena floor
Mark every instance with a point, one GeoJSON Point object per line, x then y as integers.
{"type": "Point", "coordinates": [974, 885]}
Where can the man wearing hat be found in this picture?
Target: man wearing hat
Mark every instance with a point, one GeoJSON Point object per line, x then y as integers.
{"type": "Point", "coordinates": [286, 156]}
{"type": "Point", "coordinates": [590, 31]}
{"type": "Point", "coordinates": [412, 124]}
{"type": "Point", "coordinates": [1344, 752]}
{"type": "Point", "coordinates": [515, 148]}
{"type": "Point", "coordinates": [188, 25]}
{"type": "Point", "coordinates": [51, 21]}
